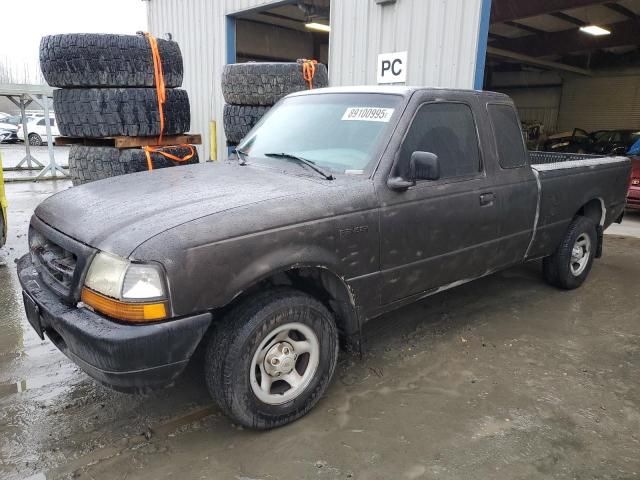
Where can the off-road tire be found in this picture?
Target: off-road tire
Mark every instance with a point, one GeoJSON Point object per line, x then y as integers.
{"type": "Point", "coordinates": [266, 83]}
{"type": "Point", "coordinates": [556, 267]}
{"type": "Point", "coordinates": [107, 60]}
{"type": "Point", "coordinates": [234, 341]}
{"type": "Point", "coordinates": [133, 112]}
{"type": "Point", "coordinates": [238, 120]}
{"type": "Point", "coordinates": [88, 164]}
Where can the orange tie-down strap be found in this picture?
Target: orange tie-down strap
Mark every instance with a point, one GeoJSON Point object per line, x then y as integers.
{"type": "Point", "coordinates": [308, 71]}
{"type": "Point", "coordinates": [149, 150]}
{"type": "Point", "coordinates": [159, 80]}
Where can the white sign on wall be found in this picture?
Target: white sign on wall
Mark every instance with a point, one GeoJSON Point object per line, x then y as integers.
{"type": "Point", "coordinates": [392, 67]}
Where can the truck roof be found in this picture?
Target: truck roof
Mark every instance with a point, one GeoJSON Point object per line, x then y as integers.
{"type": "Point", "coordinates": [396, 90]}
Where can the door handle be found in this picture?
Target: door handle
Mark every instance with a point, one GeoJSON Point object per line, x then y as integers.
{"type": "Point", "coordinates": [486, 199]}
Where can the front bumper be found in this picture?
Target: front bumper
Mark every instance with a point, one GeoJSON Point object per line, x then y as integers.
{"type": "Point", "coordinates": [633, 198]}
{"type": "Point", "coordinates": [123, 357]}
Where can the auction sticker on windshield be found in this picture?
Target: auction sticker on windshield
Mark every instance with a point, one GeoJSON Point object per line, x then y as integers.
{"type": "Point", "coordinates": [368, 114]}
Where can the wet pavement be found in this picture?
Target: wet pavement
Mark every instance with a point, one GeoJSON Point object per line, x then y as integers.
{"type": "Point", "coordinates": [502, 378]}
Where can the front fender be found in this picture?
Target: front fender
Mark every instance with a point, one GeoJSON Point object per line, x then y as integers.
{"type": "Point", "coordinates": [277, 261]}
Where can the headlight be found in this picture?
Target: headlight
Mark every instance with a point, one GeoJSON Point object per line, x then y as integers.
{"type": "Point", "coordinates": [124, 290]}
{"type": "Point", "coordinates": [635, 181]}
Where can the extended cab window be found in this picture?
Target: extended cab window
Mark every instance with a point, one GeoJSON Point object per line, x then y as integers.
{"type": "Point", "coordinates": [506, 128]}
{"type": "Point", "coordinates": [448, 130]}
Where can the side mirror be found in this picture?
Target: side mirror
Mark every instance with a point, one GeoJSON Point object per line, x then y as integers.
{"type": "Point", "coordinates": [422, 166]}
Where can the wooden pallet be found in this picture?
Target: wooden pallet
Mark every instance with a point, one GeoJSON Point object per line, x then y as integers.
{"type": "Point", "coordinates": [131, 142]}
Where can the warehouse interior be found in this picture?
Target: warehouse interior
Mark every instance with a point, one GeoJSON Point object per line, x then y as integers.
{"type": "Point", "coordinates": [284, 32]}
{"type": "Point", "coordinates": [562, 71]}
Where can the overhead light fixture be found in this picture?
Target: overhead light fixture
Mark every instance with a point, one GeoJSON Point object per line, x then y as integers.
{"type": "Point", "coordinates": [318, 27]}
{"type": "Point", "coordinates": [595, 30]}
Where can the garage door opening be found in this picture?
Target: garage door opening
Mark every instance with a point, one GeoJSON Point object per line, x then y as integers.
{"type": "Point", "coordinates": [573, 70]}
{"type": "Point", "coordinates": [282, 33]}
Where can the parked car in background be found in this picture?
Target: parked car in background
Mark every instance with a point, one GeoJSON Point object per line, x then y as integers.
{"type": "Point", "coordinates": [14, 120]}
{"type": "Point", "coordinates": [38, 130]}
{"type": "Point", "coordinates": [599, 142]}
{"type": "Point", "coordinates": [576, 141]}
{"type": "Point", "coordinates": [8, 132]}
{"type": "Point", "coordinates": [612, 142]}
{"type": "Point", "coordinates": [633, 197]}
{"type": "Point", "coordinates": [5, 135]}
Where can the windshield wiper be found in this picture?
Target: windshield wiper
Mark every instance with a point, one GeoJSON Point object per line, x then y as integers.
{"type": "Point", "coordinates": [304, 161]}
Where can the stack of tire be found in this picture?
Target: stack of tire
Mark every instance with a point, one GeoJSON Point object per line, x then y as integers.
{"type": "Point", "coordinates": [107, 88]}
{"type": "Point", "coordinates": [251, 89]}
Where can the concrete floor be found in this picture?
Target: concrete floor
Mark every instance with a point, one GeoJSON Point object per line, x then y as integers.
{"type": "Point", "coordinates": [501, 378]}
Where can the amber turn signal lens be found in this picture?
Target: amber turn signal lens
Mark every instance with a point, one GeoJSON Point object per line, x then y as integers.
{"type": "Point", "coordinates": [128, 312]}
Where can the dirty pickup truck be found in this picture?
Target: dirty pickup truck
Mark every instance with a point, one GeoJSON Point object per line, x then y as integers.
{"type": "Point", "coordinates": [340, 205]}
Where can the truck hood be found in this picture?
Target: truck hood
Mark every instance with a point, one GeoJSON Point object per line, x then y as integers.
{"type": "Point", "coordinates": [118, 214]}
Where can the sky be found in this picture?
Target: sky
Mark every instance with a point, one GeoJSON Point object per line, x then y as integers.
{"type": "Point", "coordinates": [19, 40]}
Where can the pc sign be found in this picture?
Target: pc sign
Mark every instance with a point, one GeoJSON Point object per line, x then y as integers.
{"type": "Point", "coordinates": [392, 67]}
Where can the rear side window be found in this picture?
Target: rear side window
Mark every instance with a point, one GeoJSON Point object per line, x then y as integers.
{"type": "Point", "coordinates": [506, 128]}
{"type": "Point", "coordinates": [448, 130]}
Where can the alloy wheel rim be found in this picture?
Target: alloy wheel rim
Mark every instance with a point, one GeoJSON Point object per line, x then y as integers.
{"type": "Point", "coordinates": [284, 363]}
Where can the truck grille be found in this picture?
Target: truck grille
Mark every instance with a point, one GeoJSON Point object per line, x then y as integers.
{"type": "Point", "coordinates": [55, 265]}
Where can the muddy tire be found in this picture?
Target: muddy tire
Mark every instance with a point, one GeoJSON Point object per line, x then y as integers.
{"type": "Point", "coordinates": [571, 263]}
{"type": "Point", "coordinates": [266, 83]}
{"type": "Point", "coordinates": [252, 356]}
{"type": "Point", "coordinates": [105, 112]}
{"type": "Point", "coordinates": [239, 120]}
{"type": "Point", "coordinates": [88, 164]}
{"type": "Point", "coordinates": [107, 60]}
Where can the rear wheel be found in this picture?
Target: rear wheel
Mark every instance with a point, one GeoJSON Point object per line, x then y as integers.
{"type": "Point", "coordinates": [271, 358]}
{"type": "Point", "coordinates": [35, 140]}
{"type": "Point", "coordinates": [571, 263]}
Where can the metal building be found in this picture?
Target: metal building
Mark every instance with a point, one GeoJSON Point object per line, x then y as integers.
{"type": "Point", "coordinates": [445, 41]}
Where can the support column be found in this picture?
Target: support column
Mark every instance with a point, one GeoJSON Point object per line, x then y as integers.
{"type": "Point", "coordinates": [28, 158]}
{"type": "Point", "coordinates": [53, 167]}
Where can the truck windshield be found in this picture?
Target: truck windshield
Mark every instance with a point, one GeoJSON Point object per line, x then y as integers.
{"type": "Point", "coordinates": [336, 131]}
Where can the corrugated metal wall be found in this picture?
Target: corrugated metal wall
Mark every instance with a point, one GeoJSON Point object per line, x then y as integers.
{"type": "Point", "coordinates": [537, 105]}
{"type": "Point", "coordinates": [441, 37]}
{"type": "Point", "coordinates": [600, 103]}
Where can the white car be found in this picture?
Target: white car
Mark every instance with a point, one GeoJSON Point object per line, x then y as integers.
{"type": "Point", "coordinates": [38, 130]}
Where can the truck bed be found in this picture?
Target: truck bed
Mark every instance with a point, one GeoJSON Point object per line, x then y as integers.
{"type": "Point", "coordinates": [570, 183]}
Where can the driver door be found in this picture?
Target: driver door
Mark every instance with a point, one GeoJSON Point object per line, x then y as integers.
{"type": "Point", "coordinates": [443, 231]}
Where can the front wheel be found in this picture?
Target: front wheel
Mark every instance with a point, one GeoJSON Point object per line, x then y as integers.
{"type": "Point", "coordinates": [271, 359]}
{"type": "Point", "coordinates": [571, 263]}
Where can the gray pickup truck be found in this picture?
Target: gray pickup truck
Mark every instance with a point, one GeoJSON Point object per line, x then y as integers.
{"type": "Point", "coordinates": [340, 205]}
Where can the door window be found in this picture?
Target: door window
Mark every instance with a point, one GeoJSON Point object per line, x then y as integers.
{"type": "Point", "coordinates": [447, 130]}
{"type": "Point", "coordinates": [506, 129]}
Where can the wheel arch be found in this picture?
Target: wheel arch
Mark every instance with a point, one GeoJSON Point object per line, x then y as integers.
{"type": "Point", "coordinates": [320, 282]}
{"type": "Point", "coordinates": [595, 210]}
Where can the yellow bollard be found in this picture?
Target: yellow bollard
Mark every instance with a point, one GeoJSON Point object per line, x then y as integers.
{"type": "Point", "coordinates": [213, 146]}
{"type": "Point", "coordinates": [3, 208]}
